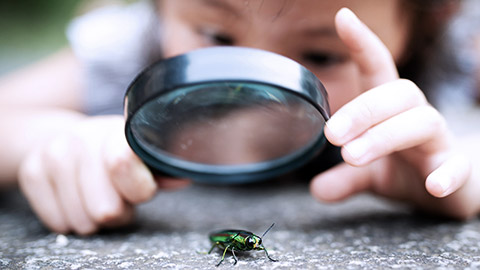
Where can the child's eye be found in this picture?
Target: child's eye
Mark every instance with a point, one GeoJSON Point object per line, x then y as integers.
{"type": "Point", "coordinates": [222, 39]}
{"type": "Point", "coordinates": [322, 59]}
{"type": "Point", "coordinates": [215, 37]}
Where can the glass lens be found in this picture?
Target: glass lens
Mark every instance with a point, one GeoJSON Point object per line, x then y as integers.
{"type": "Point", "coordinates": [225, 124]}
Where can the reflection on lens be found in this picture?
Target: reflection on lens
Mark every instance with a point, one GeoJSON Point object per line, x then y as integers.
{"type": "Point", "coordinates": [232, 123]}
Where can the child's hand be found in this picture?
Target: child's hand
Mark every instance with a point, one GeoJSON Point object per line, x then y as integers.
{"type": "Point", "coordinates": [88, 178]}
{"type": "Point", "coordinates": [393, 142]}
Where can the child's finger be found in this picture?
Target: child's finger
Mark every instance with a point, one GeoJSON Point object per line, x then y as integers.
{"type": "Point", "coordinates": [449, 177]}
{"type": "Point", "coordinates": [170, 183]}
{"type": "Point", "coordinates": [411, 128]}
{"type": "Point", "coordinates": [327, 187]}
{"type": "Point", "coordinates": [130, 176]}
{"type": "Point", "coordinates": [65, 182]}
{"type": "Point", "coordinates": [124, 219]}
{"type": "Point", "coordinates": [40, 193]}
{"type": "Point", "coordinates": [372, 108]}
{"type": "Point", "coordinates": [102, 201]}
{"type": "Point", "coordinates": [374, 60]}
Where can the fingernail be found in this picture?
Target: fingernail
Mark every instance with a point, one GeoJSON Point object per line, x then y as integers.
{"type": "Point", "coordinates": [444, 183]}
{"type": "Point", "coordinates": [339, 126]}
{"type": "Point", "coordinates": [358, 148]}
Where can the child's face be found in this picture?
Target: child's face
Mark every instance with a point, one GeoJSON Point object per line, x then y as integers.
{"type": "Point", "coordinates": [303, 30]}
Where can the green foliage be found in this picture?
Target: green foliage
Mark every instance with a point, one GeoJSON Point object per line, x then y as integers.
{"type": "Point", "coordinates": [30, 29]}
{"type": "Point", "coordinates": [30, 23]}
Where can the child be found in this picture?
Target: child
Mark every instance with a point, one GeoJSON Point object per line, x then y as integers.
{"type": "Point", "coordinates": [79, 174]}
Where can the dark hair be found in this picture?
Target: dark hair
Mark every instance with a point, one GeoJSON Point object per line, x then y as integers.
{"type": "Point", "coordinates": [427, 36]}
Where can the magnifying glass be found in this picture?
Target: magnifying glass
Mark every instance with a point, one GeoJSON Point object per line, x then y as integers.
{"type": "Point", "coordinates": [226, 115]}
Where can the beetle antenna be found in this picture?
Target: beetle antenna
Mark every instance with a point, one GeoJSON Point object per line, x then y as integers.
{"type": "Point", "coordinates": [268, 230]}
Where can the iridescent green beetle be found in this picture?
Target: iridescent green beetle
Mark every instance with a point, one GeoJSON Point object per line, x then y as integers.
{"type": "Point", "coordinates": [237, 240]}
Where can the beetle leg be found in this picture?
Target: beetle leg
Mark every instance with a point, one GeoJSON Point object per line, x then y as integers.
{"type": "Point", "coordinates": [268, 256]}
{"type": "Point", "coordinates": [213, 246]}
{"type": "Point", "coordinates": [234, 257]}
{"type": "Point", "coordinates": [223, 256]}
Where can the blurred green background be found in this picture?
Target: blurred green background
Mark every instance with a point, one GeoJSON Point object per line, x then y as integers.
{"type": "Point", "coordinates": [31, 29]}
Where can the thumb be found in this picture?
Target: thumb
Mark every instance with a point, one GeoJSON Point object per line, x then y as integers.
{"type": "Point", "coordinates": [341, 182]}
{"type": "Point", "coordinates": [130, 176]}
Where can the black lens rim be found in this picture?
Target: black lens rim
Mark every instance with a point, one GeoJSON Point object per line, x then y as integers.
{"type": "Point", "coordinates": [218, 65]}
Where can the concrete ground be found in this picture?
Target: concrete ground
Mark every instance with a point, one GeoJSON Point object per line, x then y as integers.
{"type": "Point", "coordinates": [171, 231]}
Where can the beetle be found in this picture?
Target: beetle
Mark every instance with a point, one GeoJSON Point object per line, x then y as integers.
{"type": "Point", "coordinates": [237, 240]}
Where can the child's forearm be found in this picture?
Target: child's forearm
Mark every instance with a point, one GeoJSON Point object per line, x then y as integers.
{"type": "Point", "coordinates": [36, 102]}
{"type": "Point", "coordinates": [25, 128]}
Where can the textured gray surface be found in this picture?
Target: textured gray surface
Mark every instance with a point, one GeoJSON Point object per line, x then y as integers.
{"type": "Point", "coordinates": [171, 233]}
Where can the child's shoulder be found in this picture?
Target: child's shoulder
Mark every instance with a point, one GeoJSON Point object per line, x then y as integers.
{"type": "Point", "coordinates": [103, 30]}
{"type": "Point", "coordinates": [113, 44]}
